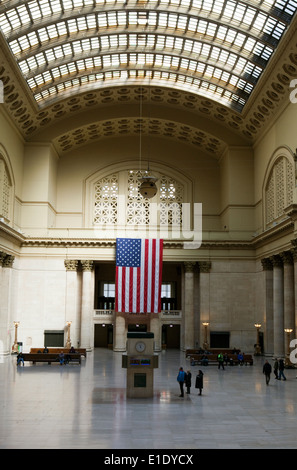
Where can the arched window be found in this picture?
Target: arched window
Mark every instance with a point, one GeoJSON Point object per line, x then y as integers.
{"type": "Point", "coordinates": [278, 190]}
{"type": "Point", "coordinates": [136, 210]}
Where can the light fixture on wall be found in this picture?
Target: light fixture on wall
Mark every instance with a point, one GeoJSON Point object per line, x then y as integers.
{"type": "Point", "coordinates": [68, 342]}
{"type": "Point", "coordinates": [15, 344]}
{"type": "Point", "coordinates": [205, 343]}
{"type": "Point", "coordinates": [257, 345]}
{"type": "Point", "coordinates": [288, 332]}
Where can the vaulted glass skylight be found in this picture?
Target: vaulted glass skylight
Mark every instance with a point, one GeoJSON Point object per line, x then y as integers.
{"type": "Point", "coordinates": [214, 48]}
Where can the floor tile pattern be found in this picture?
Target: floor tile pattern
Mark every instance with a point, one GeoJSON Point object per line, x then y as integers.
{"type": "Point", "coordinates": [85, 407]}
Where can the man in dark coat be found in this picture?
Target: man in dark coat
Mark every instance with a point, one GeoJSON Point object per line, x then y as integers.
{"type": "Point", "coordinates": [267, 371]}
{"type": "Point", "coordinates": [199, 381]}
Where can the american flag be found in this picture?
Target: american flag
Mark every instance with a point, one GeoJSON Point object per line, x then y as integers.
{"type": "Point", "coordinates": [138, 275]}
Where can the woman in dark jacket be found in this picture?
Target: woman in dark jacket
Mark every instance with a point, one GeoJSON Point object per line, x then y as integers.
{"type": "Point", "coordinates": [199, 381]}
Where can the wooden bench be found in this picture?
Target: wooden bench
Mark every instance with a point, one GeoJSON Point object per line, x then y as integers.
{"type": "Point", "coordinates": [196, 359]}
{"type": "Point", "coordinates": [81, 351]}
{"type": "Point", "coordinates": [50, 357]}
{"type": "Point", "coordinates": [190, 352]}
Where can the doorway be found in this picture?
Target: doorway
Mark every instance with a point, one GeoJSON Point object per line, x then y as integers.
{"type": "Point", "coordinates": [103, 336]}
{"type": "Point", "coordinates": [170, 336]}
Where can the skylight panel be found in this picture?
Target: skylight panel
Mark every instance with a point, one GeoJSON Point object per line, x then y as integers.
{"type": "Point", "coordinates": [227, 34]}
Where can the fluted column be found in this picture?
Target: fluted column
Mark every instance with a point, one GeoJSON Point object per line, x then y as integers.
{"type": "Point", "coordinates": [87, 305]}
{"type": "Point", "coordinates": [268, 305]}
{"type": "Point", "coordinates": [278, 306]}
{"type": "Point", "coordinates": [189, 324]}
{"type": "Point", "coordinates": [71, 297]}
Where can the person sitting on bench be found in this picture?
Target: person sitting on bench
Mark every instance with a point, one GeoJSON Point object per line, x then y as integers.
{"type": "Point", "coordinates": [61, 358]}
{"type": "Point", "coordinates": [20, 358]}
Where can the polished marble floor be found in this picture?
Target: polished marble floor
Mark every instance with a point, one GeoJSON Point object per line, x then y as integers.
{"type": "Point", "coordinates": [85, 407]}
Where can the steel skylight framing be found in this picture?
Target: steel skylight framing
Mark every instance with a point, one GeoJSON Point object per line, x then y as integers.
{"type": "Point", "coordinates": [218, 48]}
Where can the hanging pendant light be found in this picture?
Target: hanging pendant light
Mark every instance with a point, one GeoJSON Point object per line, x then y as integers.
{"type": "Point", "coordinates": [148, 188]}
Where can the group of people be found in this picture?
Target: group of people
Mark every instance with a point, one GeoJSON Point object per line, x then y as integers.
{"type": "Point", "coordinates": [185, 379]}
{"type": "Point", "coordinates": [278, 370]}
{"type": "Point", "coordinates": [63, 359]}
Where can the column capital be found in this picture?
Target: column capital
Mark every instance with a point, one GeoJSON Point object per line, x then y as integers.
{"type": "Point", "coordinates": [71, 264]}
{"type": "Point", "coordinates": [287, 257]}
{"type": "Point", "coordinates": [294, 253]}
{"type": "Point", "coordinates": [7, 262]}
{"type": "Point", "coordinates": [87, 265]}
{"type": "Point", "coordinates": [189, 266]}
{"type": "Point", "coordinates": [204, 266]}
{"type": "Point", "coordinates": [277, 261]}
{"type": "Point", "coordinates": [267, 264]}
{"type": "Point", "coordinates": [2, 257]}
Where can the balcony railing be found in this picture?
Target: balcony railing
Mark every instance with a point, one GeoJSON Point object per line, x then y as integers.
{"type": "Point", "coordinates": [103, 313]}
{"type": "Point", "coordinates": [100, 313]}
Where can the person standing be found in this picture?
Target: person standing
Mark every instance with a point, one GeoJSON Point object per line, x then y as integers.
{"type": "Point", "coordinates": [199, 381]}
{"type": "Point", "coordinates": [188, 381]}
{"type": "Point", "coordinates": [281, 367]}
{"type": "Point", "coordinates": [275, 368]}
{"type": "Point", "coordinates": [267, 371]}
{"type": "Point", "coordinates": [221, 361]}
{"type": "Point", "coordinates": [181, 380]}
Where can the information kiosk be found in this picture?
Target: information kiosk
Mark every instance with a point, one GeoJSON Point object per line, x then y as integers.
{"type": "Point", "coordinates": [140, 363]}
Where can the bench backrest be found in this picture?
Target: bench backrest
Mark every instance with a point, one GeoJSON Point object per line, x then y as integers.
{"type": "Point", "coordinates": [58, 350]}
{"type": "Point", "coordinates": [47, 356]}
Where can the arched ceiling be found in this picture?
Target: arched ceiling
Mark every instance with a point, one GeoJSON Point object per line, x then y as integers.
{"type": "Point", "coordinates": [205, 56]}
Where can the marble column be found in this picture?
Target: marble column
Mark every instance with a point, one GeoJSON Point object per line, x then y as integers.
{"type": "Point", "coordinates": [289, 296]}
{"type": "Point", "coordinates": [71, 298]}
{"type": "Point", "coordinates": [6, 320]}
{"type": "Point", "coordinates": [278, 307]}
{"type": "Point", "coordinates": [120, 333]}
{"type": "Point", "coordinates": [268, 305]}
{"type": "Point", "coordinates": [294, 255]}
{"type": "Point", "coordinates": [87, 306]}
{"type": "Point", "coordinates": [189, 324]}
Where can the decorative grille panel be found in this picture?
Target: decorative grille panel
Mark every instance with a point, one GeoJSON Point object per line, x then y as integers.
{"type": "Point", "coordinates": [279, 189]}
{"type": "Point", "coordinates": [106, 200]}
{"type": "Point", "coordinates": [168, 199]}
{"type": "Point", "coordinates": [4, 191]}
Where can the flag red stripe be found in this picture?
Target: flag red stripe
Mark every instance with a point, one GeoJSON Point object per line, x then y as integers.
{"type": "Point", "coordinates": [153, 276]}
